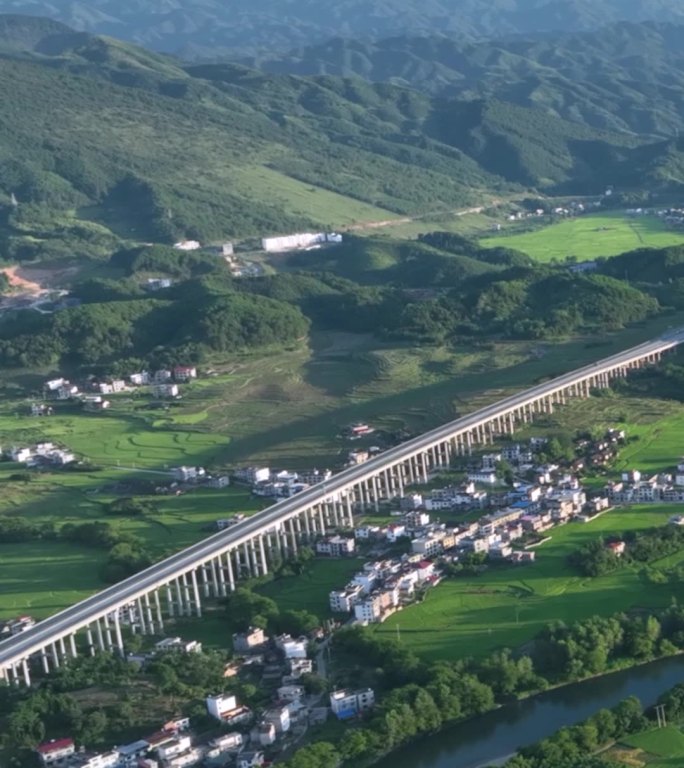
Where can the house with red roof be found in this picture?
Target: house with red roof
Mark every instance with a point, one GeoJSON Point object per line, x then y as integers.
{"type": "Point", "coordinates": [55, 751]}
{"type": "Point", "coordinates": [184, 372]}
{"type": "Point", "coordinates": [617, 547]}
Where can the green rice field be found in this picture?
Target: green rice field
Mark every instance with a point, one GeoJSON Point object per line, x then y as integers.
{"type": "Point", "coordinates": [589, 237]}
{"type": "Point", "coordinates": [507, 605]}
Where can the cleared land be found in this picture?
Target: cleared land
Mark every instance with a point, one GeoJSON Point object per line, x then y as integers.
{"type": "Point", "coordinates": [590, 237]}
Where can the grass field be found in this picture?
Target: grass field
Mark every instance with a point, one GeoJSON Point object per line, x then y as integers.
{"type": "Point", "coordinates": [657, 748]}
{"type": "Point", "coordinates": [589, 237]}
{"type": "Point", "coordinates": [46, 576]}
{"type": "Point", "coordinates": [290, 406]}
{"type": "Point", "coordinates": [310, 591]}
{"type": "Point", "coordinates": [507, 606]}
{"type": "Point", "coordinates": [326, 208]}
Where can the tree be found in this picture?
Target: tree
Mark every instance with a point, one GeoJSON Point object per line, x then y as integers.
{"type": "Point", "coordinates": [247, 608]}
{"type": "Point", "coordinates": [94, 726]}
{"type": "Point", "coordinates": [296, 623]}
{"type": "Point", "coordinates": [357, 744]}
{"type": "Point", "coordinates": [629, 717]}
{"type": "Point", "coordinates": [320, 755]}
{"type": "Point", "coordinates": [314, 684]}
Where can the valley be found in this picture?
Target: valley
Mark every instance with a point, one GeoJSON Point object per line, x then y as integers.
{"type": "Point", "coordinates": [470, 201]}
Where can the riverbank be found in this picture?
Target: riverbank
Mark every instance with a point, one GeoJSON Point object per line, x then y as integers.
{"type": "Point", "coordinates": [497, 735]}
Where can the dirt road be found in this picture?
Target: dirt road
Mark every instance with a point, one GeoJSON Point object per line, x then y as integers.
{"type": "Point", "coordinates": [419, 217]}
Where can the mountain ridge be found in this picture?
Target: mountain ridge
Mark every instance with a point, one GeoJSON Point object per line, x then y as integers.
{"type": "Point", "coordinates": [594, 77]}
{"type": "Point", "coordinates": [205, 28]}
{"type": "Point", "coordinates": [146, 147]}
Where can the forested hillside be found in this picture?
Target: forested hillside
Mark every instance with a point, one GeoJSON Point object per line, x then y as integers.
{"type": "Point", "coordinates": [214, 27]}
{"type": "Point", "coordinates": [135, 143]}
{"type": "Point", "coordinates": [621, 77]}
{"type": "Point", "coordinates": [439, 290]}
{"type": "Point", "coordinates": [100, 141]}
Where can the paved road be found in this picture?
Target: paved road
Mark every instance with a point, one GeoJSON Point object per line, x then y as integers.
{"type": "Point", "coordinates": [77, 616]}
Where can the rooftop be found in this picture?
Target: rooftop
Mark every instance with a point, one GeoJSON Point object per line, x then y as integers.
{"type": "Point", "coordinates": [54, 746]}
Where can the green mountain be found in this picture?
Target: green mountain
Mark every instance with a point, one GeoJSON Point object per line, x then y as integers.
{"type": "Point", "coordinates": [102, 141]}
{"type": "Point", "coordinates": [216, 27]}
{"type": "Point", "coordinates": [626, 77]}
{"type": "Point", "coordinates": [154, 151]}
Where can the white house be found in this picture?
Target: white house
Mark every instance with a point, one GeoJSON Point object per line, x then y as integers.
{"type": "Point", "coordinates": [367, 578]}
{"type": "Point", "coordinates": [290, 692]}
{"type": "Point", "coordinates": [250, 641]}
{"type": "Point", "coordinates": [367, 532]}
{"type": "Point", "coordinates": [220, 706]}
{"type": "Point", "coordinates": [139, 379]}
{"type": "Point", "coordinates": [411, 501]}
{"type": "Point", "coordinates": [228, 742]}
{"type": "Point", "coordinates": [430, 545]}
{"type": "Point", "coordinates": [346, 704]}
{"type": "Point", "coordinates": [299, 667]}
{"type": "Point", "coordinates": [292, 242]}
{"type": "Point", "coordinates": [417, 519]}
{"type": "Point", "coordinates": [265, 734]}
{"type": "Point", "coordinates": [343, 600]}
{"type": "Point", "coordinates": [219, 481]}
{"type": "Point", "coordinates": [21, 455]}
{"type": "Point", "coordinates": [187, 245]}
{"type": "Point", "coordinates": [174, 748]}
{"type": "Point", "coordinates": [335, 546]}
{"type": "Point", "coordinates": [395, 531]}
{"type": "Point", "coordinates": [490, 461]}
{"type": "Point", "coordinates": [253, 475]}
{"type": "Point", "coordinates": [291, 648]}
{"type": "Point", "coordinates": [98, 760]}
{"type": "Point", "coordinates": [190, 758]}
{"type": "Point", "coordinates": [375, 607]}
{"type": "Point", "coordinates": [165, 390]}
{"type": "Point", "coordinates": [186, 474]}
{"type": "Point", "coordinates": [184, 372]}
{"type": "Point", "coordinates": [279, 717]}
{"type": "Point", "coordinates": [176, 644]}
{"type": "Point", "coordinates": [484, 476]}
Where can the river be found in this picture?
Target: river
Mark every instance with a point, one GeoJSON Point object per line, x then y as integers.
{"type": "Point", "coordinates": [499, 734]}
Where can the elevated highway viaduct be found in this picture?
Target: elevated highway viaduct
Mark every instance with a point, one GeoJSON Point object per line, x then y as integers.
{"type": "Point", "coordinates": [176, 586]}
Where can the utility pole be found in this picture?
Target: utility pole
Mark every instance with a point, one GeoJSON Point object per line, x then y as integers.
{"type": "Point", "coordinates": [660, 715]}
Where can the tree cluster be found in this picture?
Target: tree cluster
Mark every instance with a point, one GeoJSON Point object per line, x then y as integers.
{"type": "Point", "coordinates": [595, 558]}
{"type": "Point", "coordinates": [247, 608]}
{"type": "Point", "coordinates": [51, 710]}
{"type": "Point", "coordinates": [574, 746]}
{"type": "Point", "coordinates": [126, 554]}
{"type": "Point", "coordinates": [420, 698]}
{"type": "Point", "coordinates": [195, 322]}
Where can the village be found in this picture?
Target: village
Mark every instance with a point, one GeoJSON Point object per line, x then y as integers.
{"type": "Point", "coordinates": [494, 511]}
{"type": "Point", "coordinates": [240, 737]}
